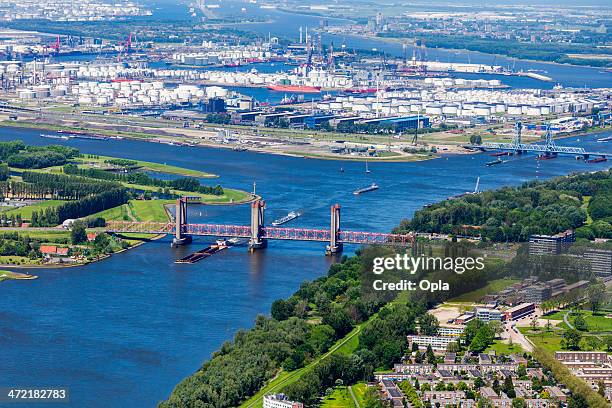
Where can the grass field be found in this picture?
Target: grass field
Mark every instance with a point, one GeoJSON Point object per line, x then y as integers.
{"type": "Point", "coordinates": [359, 390]}
{"type": "Point", "coordinates": [26, 212]}
{"type": "Point", "coordinates": [340, 398]}
{"type": "Point", "coordinates": [137, 210]}
{"type": "Point", "coordinates": [597, 323]}
{"type": "Point", "coordinates": [551, 341]}
{"type": "Point", "coordinates": [504, 348]}
{"type": "Point", "coordinates": [491, 287]}
{"type": "Point", "coordinates": [18, 260]}
{"type": "Point", "coordinates": [148, 166]}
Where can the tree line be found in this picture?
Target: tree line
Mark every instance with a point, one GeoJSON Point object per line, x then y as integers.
{"type": "Point", "coordinates": [83, 207]}
{"type": "Point", "coordinates": [183, 183]}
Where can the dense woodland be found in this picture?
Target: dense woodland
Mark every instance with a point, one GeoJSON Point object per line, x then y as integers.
{"type": "Point", "coordinates": [514, 213]}
{"type": "Point", "coordinates": [18, 154]}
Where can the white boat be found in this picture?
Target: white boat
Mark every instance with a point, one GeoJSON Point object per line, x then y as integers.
{"type": "Point", "coordinates": [289, 217]}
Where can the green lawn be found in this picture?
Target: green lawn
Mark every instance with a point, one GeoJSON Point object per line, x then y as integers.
{"type": "Point", "coordinates": [504, 348]}
{"type": "Point", "coordinates": [491, 287]}
{"type": "Point", "coordinates": [148, 166]}
{"type": "Point", "coordinates": [359, 390]}
{"type": "Point", "coordinates": [26, 212]}
{"type": "Point", "coordinates": [137, 210]}
{"type": "Point", "coordinates": [597, 323]}
{"type": "Point", "coordinates": [551, 341]}
{"type": "Point", "coordinates": [340, 398]}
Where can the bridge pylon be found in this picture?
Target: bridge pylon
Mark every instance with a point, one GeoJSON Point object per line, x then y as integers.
{"type": "Point", "coordinates": [517, 141]}
{"type": "Point", "coordinates": [334, 246]}
{"type": "Point", "coordinates": [180, 221]}
{"type": "Point", "coordinates": [257, 224]}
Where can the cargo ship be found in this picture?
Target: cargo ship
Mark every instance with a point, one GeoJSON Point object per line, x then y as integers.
{"type": "Point", "coordinates": [597, 160]}
{"type": "Point", "coordinates": [289, 217]}
{"type": "Point", "coordinates": [295, 88]}
{"type": "Point", "coordinates": [604, 139]}
{"type": "Point", "coordinates": [372, 187]}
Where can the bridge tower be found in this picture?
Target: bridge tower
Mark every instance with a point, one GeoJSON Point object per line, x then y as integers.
{"type": "Point", "coordinates": [257, 223]}
{"type": "Point", "coordinates": [334, 246]}
{"type": "Point", "coordinates": [180, 220]}
{"type": "Point", "coordinates": [516, 142]}
{"type": "Point", "coordinates": [551, 148]}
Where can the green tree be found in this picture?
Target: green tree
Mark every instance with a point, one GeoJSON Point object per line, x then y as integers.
{"type": "Point", "coordinates": [571, 339]}
{"type": "Point", "coordinates": [596, 294]}
{"type": "Point", "coordinates": [580, 323]}
{"type": "Point", "coordinates": [78, 234]}
{"type": "Point", "coordinates": [429, 325]}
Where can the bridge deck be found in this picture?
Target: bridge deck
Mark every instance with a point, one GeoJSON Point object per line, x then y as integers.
{"type": "Point", "coordinates": [241, 231]}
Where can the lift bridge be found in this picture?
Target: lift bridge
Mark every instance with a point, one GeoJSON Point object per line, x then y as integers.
{"type": "Point", "coordinates": [257, 233]}
{"type": "Point", "coordinates": [549, 148]}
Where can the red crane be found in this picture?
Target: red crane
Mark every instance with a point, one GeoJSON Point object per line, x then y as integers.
{"type": "Point", "coordinates": [56, 44]}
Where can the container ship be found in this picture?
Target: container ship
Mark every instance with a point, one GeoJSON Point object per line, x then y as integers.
{"type": "Point", "coordinates": [372, 187]}
{"type": "Point", "coordinates": [295, 88]}
{"type": "Point", "coordinates": [289, 217]}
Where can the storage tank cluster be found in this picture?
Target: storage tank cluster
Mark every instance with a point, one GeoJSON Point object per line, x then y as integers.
{"type": "Point", "coordinates": [461, 103]}
{"type": "Point", "coordinates": [317, 77]}
{"type": "Point", "coordinates": [451, 82]}
{"type": "Point", "coordinates": [42, 92]}
{"type": "Point", "coordinates": [136, 93]}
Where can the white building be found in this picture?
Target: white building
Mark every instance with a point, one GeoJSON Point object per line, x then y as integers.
{"type": "Point", "coordinates": [280, 401]}
{"type": "Point", "coordinates": [436, 342]}
{"type": "Point", "coordinates": [488, 315]}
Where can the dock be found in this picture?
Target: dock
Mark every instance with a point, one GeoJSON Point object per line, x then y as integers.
{"type": "Point", "coordinates": [201, 254]}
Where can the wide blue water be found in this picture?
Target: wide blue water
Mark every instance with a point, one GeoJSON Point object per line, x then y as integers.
{"type": "Point", "coordinates": [124, 331]}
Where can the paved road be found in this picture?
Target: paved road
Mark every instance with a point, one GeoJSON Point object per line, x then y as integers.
{"type": "Point", "coordinates": [566, 320]}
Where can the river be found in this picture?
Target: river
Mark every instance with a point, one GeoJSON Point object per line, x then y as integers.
{"type": "Point", "coordinates": [124, 331]}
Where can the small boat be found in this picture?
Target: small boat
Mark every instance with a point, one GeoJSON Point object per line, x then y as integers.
{"type": "Point", "coordinates": [341, 169]}
{"type": "Point", "coordinates": [367, 169]}
{"type": "Point", "coordinates": [372, 187]}
{"type": "Point", "coordinates": [289, 217]}
{"type": "Point", "coordinates": [494, 162]}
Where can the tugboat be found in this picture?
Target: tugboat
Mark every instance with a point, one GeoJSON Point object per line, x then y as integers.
{"type": "Point", "coordinates": [289, 217]}
{"type": "Point", "coordinates": [372, 187]}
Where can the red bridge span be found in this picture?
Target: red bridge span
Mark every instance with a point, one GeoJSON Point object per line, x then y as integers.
{"type": "Point", "coordinates": [257, 233]}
